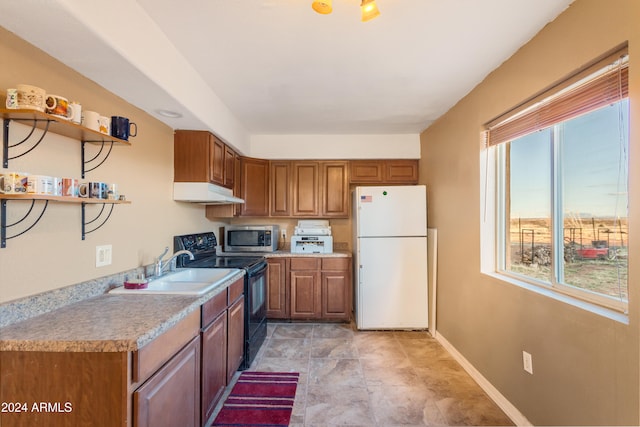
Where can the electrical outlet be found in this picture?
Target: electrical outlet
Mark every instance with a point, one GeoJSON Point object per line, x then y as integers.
{"type": "Point", "coordinates": [103, 255]}
{"type": "Point", "coordinates": [283, 234]}
{"type": "Point", "coordinates": [527, 362]}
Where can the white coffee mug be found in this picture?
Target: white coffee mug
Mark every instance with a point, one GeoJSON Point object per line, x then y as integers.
{"type": "Point", "coordinates": [40, 184]}
{"type": "Point", "coordinates": [76, 112]}
{"type": "Point", "coordinates": [57, 185]}
{"type": "Point", "coordinates": [91, 120]}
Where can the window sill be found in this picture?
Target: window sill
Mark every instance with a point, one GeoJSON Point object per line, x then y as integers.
{"type": "Point", "coordinates": [596, 309]}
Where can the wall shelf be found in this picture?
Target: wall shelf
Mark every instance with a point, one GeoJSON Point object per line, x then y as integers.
{"type": "Point", "coordinates": [59, 126]}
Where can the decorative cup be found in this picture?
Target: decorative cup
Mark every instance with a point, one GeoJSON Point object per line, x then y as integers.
{"type": "Point", "coordinates": [70, 187]}
{"type": "Point", "coordinates": [40, 184]}
{"type": "Point", "coordinates": [13, 183]}
{"type": "Point", "coordinates": [112, 192]}
{"type": "Point", "coordinates": [31, 97]}
{"type": "Point", "coordinates": [121, 128]}
{"type": "Point", "coordinates": [58, 106]}
{"type": "Point", "coordinates": [57, 185]}
{"type": "Point", "coordinates": [105, 125]}
{"type": "Point", "coordinates": [91, 120]}
{"type": "Point", "coordinates": [76, 112]}
{"type": "Point", "coordinates": [12, 99]}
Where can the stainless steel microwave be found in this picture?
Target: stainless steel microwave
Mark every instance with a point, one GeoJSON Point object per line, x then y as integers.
{"type": "Point", "coordinates": [251, 238]}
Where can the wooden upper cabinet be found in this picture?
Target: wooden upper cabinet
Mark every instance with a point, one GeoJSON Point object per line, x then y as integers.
{"type": "Point", "coordinates": [192, 152]}
{"type": "Point", "coordinates": [366, 171]}
{"type": "Point", "coordinates": [217, 161]}
{"type": "Point", "coordinates": [280, 188]}
{"type": "Point", "coordinates": [305, 188]}
{"type": "Point", "coordinates": [199, 156]}
{"type": "Point", "coordinates": [229, 167]}
{"type": "Point", "coordinates": [402, 171]}
{"type": "Point", "coordinates": [335, 189]}
{"type": "Point", "coordinates": [254, 187]}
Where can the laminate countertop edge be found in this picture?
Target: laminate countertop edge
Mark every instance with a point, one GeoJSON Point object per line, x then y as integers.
{"type": "Point", "coordinates": [105, 323]}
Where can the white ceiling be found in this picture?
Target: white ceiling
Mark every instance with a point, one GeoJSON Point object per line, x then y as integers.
{"type": "Point", "coordinates": [246, 67]}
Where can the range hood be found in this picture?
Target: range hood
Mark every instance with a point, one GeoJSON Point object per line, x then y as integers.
{"type": "Point", "coordinates": [203, 192]}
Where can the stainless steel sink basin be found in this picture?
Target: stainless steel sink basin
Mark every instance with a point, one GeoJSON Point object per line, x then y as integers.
{"type": "Point", "coordinates": [189, 281]}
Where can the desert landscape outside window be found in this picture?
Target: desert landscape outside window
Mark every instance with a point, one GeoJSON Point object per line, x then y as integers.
{"type": "Point", "coordinates": [562, 189]}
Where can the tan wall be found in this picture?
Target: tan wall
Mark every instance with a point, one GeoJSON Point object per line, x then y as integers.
{"type": "Point", "coordinates": [52, 255]}
{"type": "Point", "coordinates": [585, 365]}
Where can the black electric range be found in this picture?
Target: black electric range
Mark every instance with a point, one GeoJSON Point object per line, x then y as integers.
{"type": "Point", "coordinates": [203, 248]}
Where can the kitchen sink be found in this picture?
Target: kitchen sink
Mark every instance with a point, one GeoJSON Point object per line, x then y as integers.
{"type": "Point", "coordinates": [189, 281]}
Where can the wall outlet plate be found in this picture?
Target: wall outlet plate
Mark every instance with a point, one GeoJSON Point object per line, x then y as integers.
{"type": "Point", "coordinates": [103, 255]}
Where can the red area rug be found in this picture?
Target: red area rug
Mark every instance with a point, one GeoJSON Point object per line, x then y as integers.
{"type": "Point", "coordinates": [259, 399]}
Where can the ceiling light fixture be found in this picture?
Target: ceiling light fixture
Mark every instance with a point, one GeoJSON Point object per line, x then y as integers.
{"type": "Point", "coordinates": [169, 113]}
{"type": "Point", "coordinates": [368, 7]}
{"type": "Point", "coordinates": [323, 7]}
{"type": "Point", "coordinates": [369, 10]}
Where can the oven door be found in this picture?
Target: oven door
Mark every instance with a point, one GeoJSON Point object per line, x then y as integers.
{"type": "Point", "coordinates": [256, 299]}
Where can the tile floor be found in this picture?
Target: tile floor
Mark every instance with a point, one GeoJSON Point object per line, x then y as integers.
{"type": "Point", "coordinates": [356, 378]}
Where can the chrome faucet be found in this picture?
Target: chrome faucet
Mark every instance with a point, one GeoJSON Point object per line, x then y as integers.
{"type": "Point", "coordinates": [161, 265]}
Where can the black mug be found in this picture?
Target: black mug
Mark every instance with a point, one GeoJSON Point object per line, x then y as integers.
{"type": "Point", "coordinates": [122, 129]}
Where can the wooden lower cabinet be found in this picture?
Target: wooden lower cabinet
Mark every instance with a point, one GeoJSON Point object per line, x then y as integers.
{"type": "Point", "coordinates": [309, 288]}
{"type": "Point", "coordinates": [277, 307]}
{"type": "Point", "coordinates": [222, 344]}
{"type": "Point", "coordinates": [214, 364]}
{"type": "Point", "coordinates": [171, 397]}
{"type": "Point", "coordinates": [304, 279]}
{"type": "Point", "coordinates": [235, 343]}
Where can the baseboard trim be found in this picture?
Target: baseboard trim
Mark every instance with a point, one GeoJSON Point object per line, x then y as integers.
{"type": "Point", "coordinates": [512, 412]}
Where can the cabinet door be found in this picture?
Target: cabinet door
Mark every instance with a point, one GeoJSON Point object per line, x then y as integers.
{"type": "Point", "coordinates": [365, 171]}
{"type": "Point", "coordinates": [280, 188]}
{"type": "Point", "coordinates": [229, 167]}
{"type": "Point", "coordinates": [277, 289]}
{"type": "Point", "coordinates": [216, 168]}
{"type": "Point", "coordinates": [336, 291]}
{"type": "Point", "coordinates": [254, 187]}
{"type": "Point", "coordinates": [235, 337]}
{"type": "Point", "coordinates": [191, 154]}
{"type": "Point", "coordinates": [305, 294]}
{"type": "Point", "coordinates": [305, 188]}
{"type": "Point", "coordinates": [171, 397]}
{"type": "Point", "coordinates": [214, 364]}
{"type": "Point", "coordinates": [401, 171]}
{"type": "Point", "coordinates": [335, 189]}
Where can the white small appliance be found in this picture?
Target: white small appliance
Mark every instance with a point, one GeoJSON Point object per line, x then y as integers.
{"type": "Point", "coordinates": [390, 245]}
{"type": "Point", "coordinates": [312, 236]}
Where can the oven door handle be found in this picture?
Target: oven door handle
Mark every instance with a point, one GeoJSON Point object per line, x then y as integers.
{"type": "Point", "coordinates": [260, 271]}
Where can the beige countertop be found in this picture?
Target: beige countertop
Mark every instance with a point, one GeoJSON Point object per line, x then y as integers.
{"type": "Point", "coordinates": [106, 323]}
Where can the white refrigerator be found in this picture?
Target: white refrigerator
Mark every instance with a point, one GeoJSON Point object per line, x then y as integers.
{"type": "Point", "coordinates": [390, 257]}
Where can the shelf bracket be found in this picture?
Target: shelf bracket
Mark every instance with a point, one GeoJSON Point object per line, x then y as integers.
{"type": "Point", "coordinates": [5, 139]}
{"type": "Point", "coordinates": [85, 223]}
{"type": "Point", "coordinates": [85, 163]}
{"type": "Point", "coordinates": [4, 226]}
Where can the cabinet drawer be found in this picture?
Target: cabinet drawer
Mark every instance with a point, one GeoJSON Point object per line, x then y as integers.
{"type": "Point", "coordinates": [235, 290]}
{"type": "Point", "coordinates": [304, 264]}
{"type": "Point", "coordinates": [340, 264]}
{"type": "Point", "coordinates": [212, 308]}
{"type": "Point", "coordinates": [152, 356]}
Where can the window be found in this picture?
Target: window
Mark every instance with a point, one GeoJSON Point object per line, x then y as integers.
{"type": "Point", "coordinates": [562, 188]}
